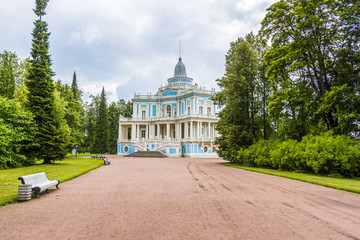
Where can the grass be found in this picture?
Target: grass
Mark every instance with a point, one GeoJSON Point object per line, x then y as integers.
{"type": "Point", "coordinates": [64, 170]}
{"type": "Point", "coordinates": [347, 184]}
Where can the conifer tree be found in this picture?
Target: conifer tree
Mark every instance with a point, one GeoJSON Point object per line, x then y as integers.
{"type": "Point", "coordinates": [102, 126]}
{"type": "Point", "coordinates": [53, 134]}
{"type": "Point", "coordinates": [74, 87]}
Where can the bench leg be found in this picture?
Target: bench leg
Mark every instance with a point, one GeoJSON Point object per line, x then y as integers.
{"type": "Point", "coordinates": [37, 192]}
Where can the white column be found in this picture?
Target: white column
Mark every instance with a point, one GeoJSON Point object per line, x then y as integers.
{"type": "Point", "coordinates": [146, 131]}
{"type": "Point", "coordinates": [152, 127]}
{"type": "Point", "coordinates": [200, 131]}
{"type": "Point", "coordinates": [137, 131]}
{"type": "Point", "coordinates": [133, 130]}
{"type": "Point", "coordinates": [168, 131]}
{"type": "Point", "coordinates": [158, 131]}
{"type": "Point", "coordinates": [209, 132]}
{"type": "Point", "coordinates": [191, 130]}
{"type": "Point", "coordinates": [120, 133]}
{"type": "Point", "coordinates": [186, 130]}
{"type": "Point", "coordinates": [178, 130]}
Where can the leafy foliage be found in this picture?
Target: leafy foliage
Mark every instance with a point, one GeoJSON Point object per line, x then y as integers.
{"type": "Point", "coordinates": [237, 125]}
{"type": "Point", "coordinates": [325, 154]}
{"type": "Point", "coordinates": [17, 135]}
{"type": "Point", "coordinates": [73, 112]}
{"type": "Point", "coordinates": [9, 73]}
{"type": "Point", "coordinates": [313, 55]}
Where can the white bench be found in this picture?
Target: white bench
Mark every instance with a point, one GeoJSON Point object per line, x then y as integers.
{"type": "Point", "coordinates": [39, 182]}
{"type": "Point", "coordinates": [106, 161]}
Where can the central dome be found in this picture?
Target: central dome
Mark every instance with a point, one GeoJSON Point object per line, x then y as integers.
{"type": "Point", "coordinates": [180, 70]}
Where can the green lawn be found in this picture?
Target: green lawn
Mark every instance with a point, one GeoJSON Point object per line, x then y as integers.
{"type": "Point", "coordinates": [64, 170]}
{"type": "Point", "coordinates": [347, 184]}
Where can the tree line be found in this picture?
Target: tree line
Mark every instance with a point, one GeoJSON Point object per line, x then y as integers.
{"type": "Point", "coordinates": [41, 119]}
{"type": "Point", "coordinates": [296, 81]}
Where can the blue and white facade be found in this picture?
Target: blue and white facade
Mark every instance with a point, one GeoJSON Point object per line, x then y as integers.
{"type": "Point", "coordinates": [179, 120]}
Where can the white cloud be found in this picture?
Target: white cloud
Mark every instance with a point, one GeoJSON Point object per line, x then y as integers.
{"type": "Point", "coordinates": [130, 46]}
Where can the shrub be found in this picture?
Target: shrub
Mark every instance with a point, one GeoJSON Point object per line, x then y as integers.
{"type": "Point", "coordinates": [17, 131]}
{"type": "Point", "coordinates": [325, 154]}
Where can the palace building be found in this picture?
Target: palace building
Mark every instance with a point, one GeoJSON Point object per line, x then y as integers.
{"type": "Point", "coordinates": [179, 120]}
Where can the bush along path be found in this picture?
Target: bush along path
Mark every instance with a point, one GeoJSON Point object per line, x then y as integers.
{"type": "Point", "coordinates": [333, 156]}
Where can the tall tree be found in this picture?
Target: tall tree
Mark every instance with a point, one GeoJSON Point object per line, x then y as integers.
{"type": "Point", "coordinates": [237, 126]}
{"type": "Point", "coordinates": [73, 113]}
{"type": "Point", "coordinates": [90, 122]}
{"type": "Point", "coordinates": [315, 51]}
{"type": "Point", "coordinates": [101, 143]}
{"type": "Point", "coordinates": [75, 89]}
{"type": "Point", "coordinates": [52, 133]}
{"type": "Point", "coordinates": [9, 73]}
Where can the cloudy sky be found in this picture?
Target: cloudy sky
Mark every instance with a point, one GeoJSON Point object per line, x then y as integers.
{"type": "Point", "coordinates": [132, 46]}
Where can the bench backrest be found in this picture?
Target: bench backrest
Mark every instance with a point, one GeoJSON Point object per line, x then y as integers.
{"type": "Point", "coordinates": [34, 179]}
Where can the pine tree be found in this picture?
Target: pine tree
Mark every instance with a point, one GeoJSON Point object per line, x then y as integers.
{"type": "Point", "coordinates": [102, 126]}
{"type": "Point", "coordinates": [52, 131]}
{"type": "Point", "coordinates": [74, 87]}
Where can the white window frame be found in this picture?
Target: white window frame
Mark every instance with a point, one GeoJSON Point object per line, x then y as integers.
{"type": "Point", "coordinates": [143, 114]}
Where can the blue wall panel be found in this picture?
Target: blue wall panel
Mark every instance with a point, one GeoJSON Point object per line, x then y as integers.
{"type": "Point", "coordinates": [154, 111]}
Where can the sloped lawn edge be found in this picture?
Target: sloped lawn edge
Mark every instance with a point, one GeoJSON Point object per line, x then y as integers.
{"type": "Point", "coordinates": [346, 184]}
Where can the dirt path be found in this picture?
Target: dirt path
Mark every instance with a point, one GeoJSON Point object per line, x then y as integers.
{"type": "Point", "coordinates": [136, 198]}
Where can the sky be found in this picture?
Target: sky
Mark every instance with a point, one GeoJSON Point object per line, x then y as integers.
{"type": "Point", "coordinates": [129, 46]}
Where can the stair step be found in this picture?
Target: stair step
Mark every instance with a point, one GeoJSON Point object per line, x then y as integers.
{"type": "Point", "coordinates": [154, 154]}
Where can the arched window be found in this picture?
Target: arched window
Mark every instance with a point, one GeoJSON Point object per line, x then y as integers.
{"type": "Point", "coordinates": [168, 111]}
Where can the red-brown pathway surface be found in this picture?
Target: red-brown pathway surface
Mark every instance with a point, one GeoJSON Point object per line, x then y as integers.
{"type": "Point", "coordinates": [174, 198]}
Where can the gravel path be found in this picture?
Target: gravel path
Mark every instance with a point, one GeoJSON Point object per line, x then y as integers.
{"type": "Point", "coordinates": [174, 198]}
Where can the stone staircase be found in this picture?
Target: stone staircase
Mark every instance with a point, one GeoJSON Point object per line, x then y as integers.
{"type": "Point", "coordinates": [147, 154]}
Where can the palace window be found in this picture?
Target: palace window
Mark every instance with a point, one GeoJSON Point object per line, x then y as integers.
{"type": "Point", "coordinates": [189, 110]}
{"type": "Point", "coordinates": [143, 114]}
{"type": "Point", "coordinates": [201, 110]}
{"type": "Point", "coordinates": [168, 111]}
{"type": "Point", "coordinates": [143, 133]}
{"type": "Point", "coordinates": [209, 111]}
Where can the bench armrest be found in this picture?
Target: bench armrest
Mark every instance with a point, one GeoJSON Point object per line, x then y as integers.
{"type": "Point", "coordinates": [22, 180]}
